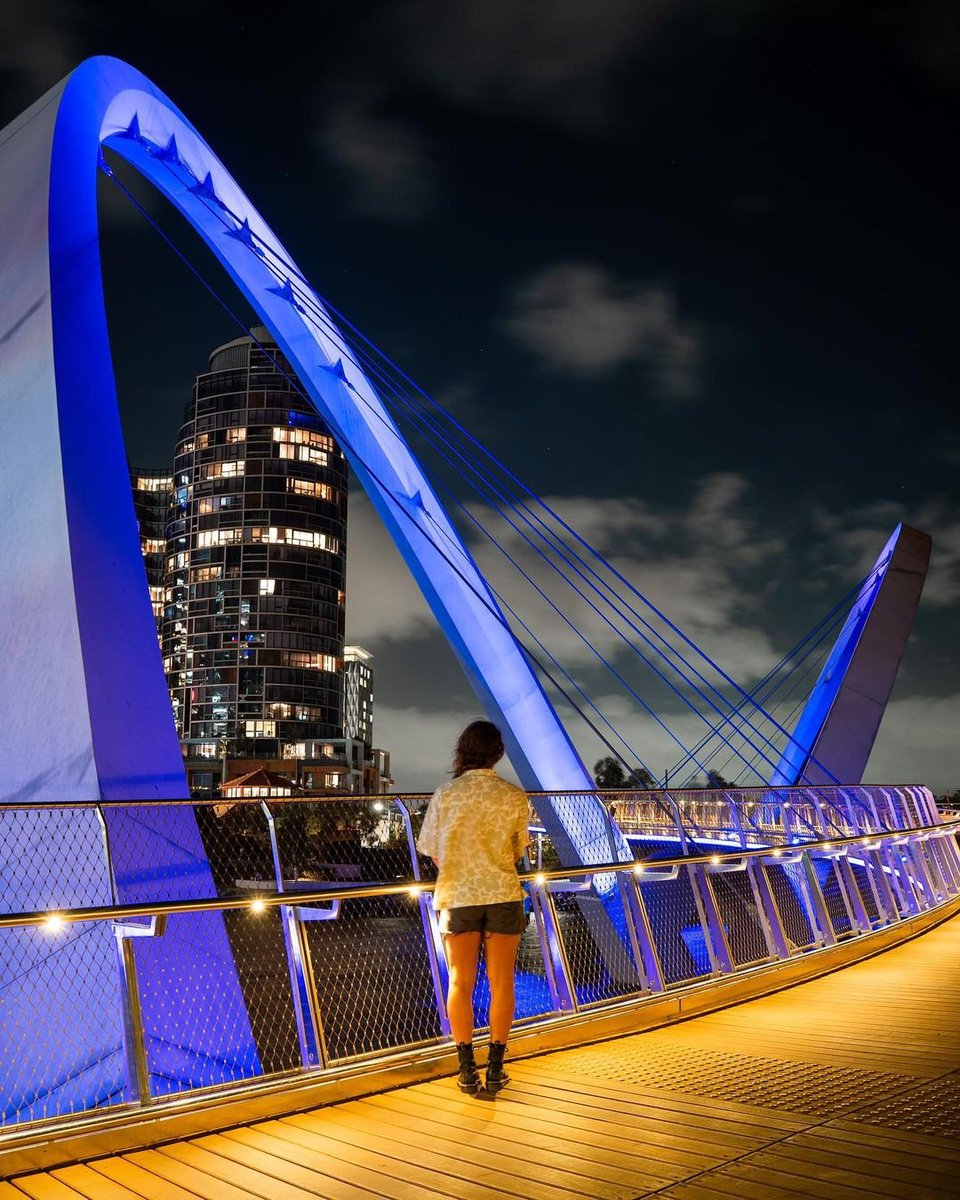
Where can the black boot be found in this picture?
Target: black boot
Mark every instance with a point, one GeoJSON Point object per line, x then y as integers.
{"type": "Point", "coordinates": [496, 1075]}
{"type": "Point", "coordinates": [469, 1078]}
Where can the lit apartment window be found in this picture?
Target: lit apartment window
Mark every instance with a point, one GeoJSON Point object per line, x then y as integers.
{"type": "Point", "coordinates": [237, 434]}
{"type": "Point", "coordinates": [309, 660]}
{"type": "Point", "coordinates": [302, 437]}
{"type": "Point", "coordinates": [218, 537]}
{"type": "Point", "coordinates": [149, 483]}
{"type": "Point", "coordinates": [310, 487]}
{"type": "Point", "coordinates": [264, 533]}
{"type": "Point", "coordinates": [311, 538]}
{"type": "Point", "coordinates": [260, 729]}
{"type": "Point", "coordinates": [222, 470]}
{"type": "Point", "coordinates": [205, 574]}
{"type": "Point", "coordinates": [310, 454]}
{"type": "Point", "coordinates": [267, 587]}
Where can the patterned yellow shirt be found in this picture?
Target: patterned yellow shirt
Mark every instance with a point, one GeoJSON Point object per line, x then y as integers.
{"type": "Point", "coordinates": [476, 828]}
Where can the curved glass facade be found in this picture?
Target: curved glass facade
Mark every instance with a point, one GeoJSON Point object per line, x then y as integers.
{"type": "Point", "coordinates": [256, 559]}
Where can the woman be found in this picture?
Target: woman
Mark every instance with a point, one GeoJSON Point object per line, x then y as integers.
{"type": "Point", "coordinates": [475, 830]}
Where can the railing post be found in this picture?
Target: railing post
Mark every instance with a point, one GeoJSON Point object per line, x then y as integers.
{"type": "Point", "coordinates": [431, 930]}
{"type": "Point", "coordinates": [649, 958]}
{"type": "Point", "coordinates": [635, 920]}
{"type": "Point", "coordinates": [303, 987]}
{"type": "Point", "coordinates": [817, 911]}
{"type": "Point", "coordinates": [555, 961]}
{"type": "Point", "coordinates": [763, 896]}
{"type": "Point", "coordinates": [715, 936]}
{"type": "Point", "coordinates": [134, 1038]}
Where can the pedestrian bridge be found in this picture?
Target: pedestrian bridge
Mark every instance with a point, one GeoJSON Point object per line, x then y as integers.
{"type": "Point", "coordinates": [845, 1085]}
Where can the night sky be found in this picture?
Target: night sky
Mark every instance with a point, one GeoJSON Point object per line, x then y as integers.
{"type": "Point", "coordinates": [686, 267]}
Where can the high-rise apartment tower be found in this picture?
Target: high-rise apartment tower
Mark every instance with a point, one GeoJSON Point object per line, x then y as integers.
{"type": "Point", "coordinates": [358, 695]}
{"type": "Point", "coordinates": [256, 559]}
{"type": "Point", "coordinates": [151, 500]}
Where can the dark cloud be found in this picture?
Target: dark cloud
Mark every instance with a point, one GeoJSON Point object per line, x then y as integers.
{"type": "Point", "coordinates": [577, 317]}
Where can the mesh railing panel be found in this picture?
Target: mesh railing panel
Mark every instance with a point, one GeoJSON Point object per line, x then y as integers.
{"type": "Point", "coordinates": [863, 868]}
{"type": "Point", "coordinates": [196, 1025]}
{"type": "Point", "coordinates": [60, 1025]}
{"type": "Point", "coordinates": [594, 931]}
{"type": "Point", "coordinates": [788, 887]}
{"type": "Point", "coordinates": [832, 887]}
{"type": "Point", "coordinates": [676, 928]}
{"type": "Point", "coordinates": [373, 977]}
{"type": "Point", "coordinates": [741, 920]}
{"type": "Point", "coordinates": [52, 858]}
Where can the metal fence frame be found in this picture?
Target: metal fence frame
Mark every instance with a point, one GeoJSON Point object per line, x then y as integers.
{"type": "Point", "coordinates": [771, 875]}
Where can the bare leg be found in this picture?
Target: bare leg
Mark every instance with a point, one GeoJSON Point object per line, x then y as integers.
{"type": "Point", "coordinates": [463, 950]}
{"type": "Point", "coordinates": [501, 954]}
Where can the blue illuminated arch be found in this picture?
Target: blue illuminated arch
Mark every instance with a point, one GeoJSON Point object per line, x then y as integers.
{"type": "Point", "coordinates": [82, 688]}
{"type": "Point", "coordinates": [835, 732]}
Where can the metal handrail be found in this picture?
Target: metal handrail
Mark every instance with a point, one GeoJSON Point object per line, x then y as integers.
{"type": "Point", "coordinates": [267, 898]}
{"type": "Point", "coordinates": [614, 795]}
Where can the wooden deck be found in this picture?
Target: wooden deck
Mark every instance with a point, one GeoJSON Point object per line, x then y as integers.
{"type": "Point", "coordinates": [847, 1087]}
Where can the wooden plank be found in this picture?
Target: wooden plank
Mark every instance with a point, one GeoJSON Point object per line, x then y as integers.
{"type": "Point", "coordinates": [723, 1112]}
{"type": "Point", "coordinates": [522, 1161]}
{"type": "Point", "coordinates": [716, 1186]}
{"type": "Point", "coordinates": [44, 1187]}
{"type": "Point", "coordinates": [420, 1142]}
{"type": "Point", "coordinates": [189, 1178]}
{"type": "Point", "coordinates": [536, 1137]}
{"type": "Point", "coordinates": [703, 1113]}
{"type": "Point", "coordinates": [247, 1151]}
{"type": "Point", "coordinates": [145, 1183]}
{"type": "Point", "coordinates": [199, 1158]}
{"type": "Point", "coordinates": [867, 1166]}
{"type": "Point", "coordinates": [358, 1169]}
{"type": "Point", "coordinates": [879, 1152]}
{"type": "Point", "coordinates": [926, 1144]}
{"type": "Point", "coordinates": [680, 1153]}
{"type": "Point", "coordinates": [93, 1185]}
{"type": "Point", "coordinates": [782, 1184]}
{"type": "Point", "coordinates": [673, 1142]}
{"type": "Point", "coordinates": [442, 1177]}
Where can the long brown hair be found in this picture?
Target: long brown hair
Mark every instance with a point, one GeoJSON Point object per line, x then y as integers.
{"type": "Point", "coordinates": [479, 746]}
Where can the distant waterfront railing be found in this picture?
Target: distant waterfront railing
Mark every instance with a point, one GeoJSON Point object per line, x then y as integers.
{"type": "Point", "coordinates": [332, 942]}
